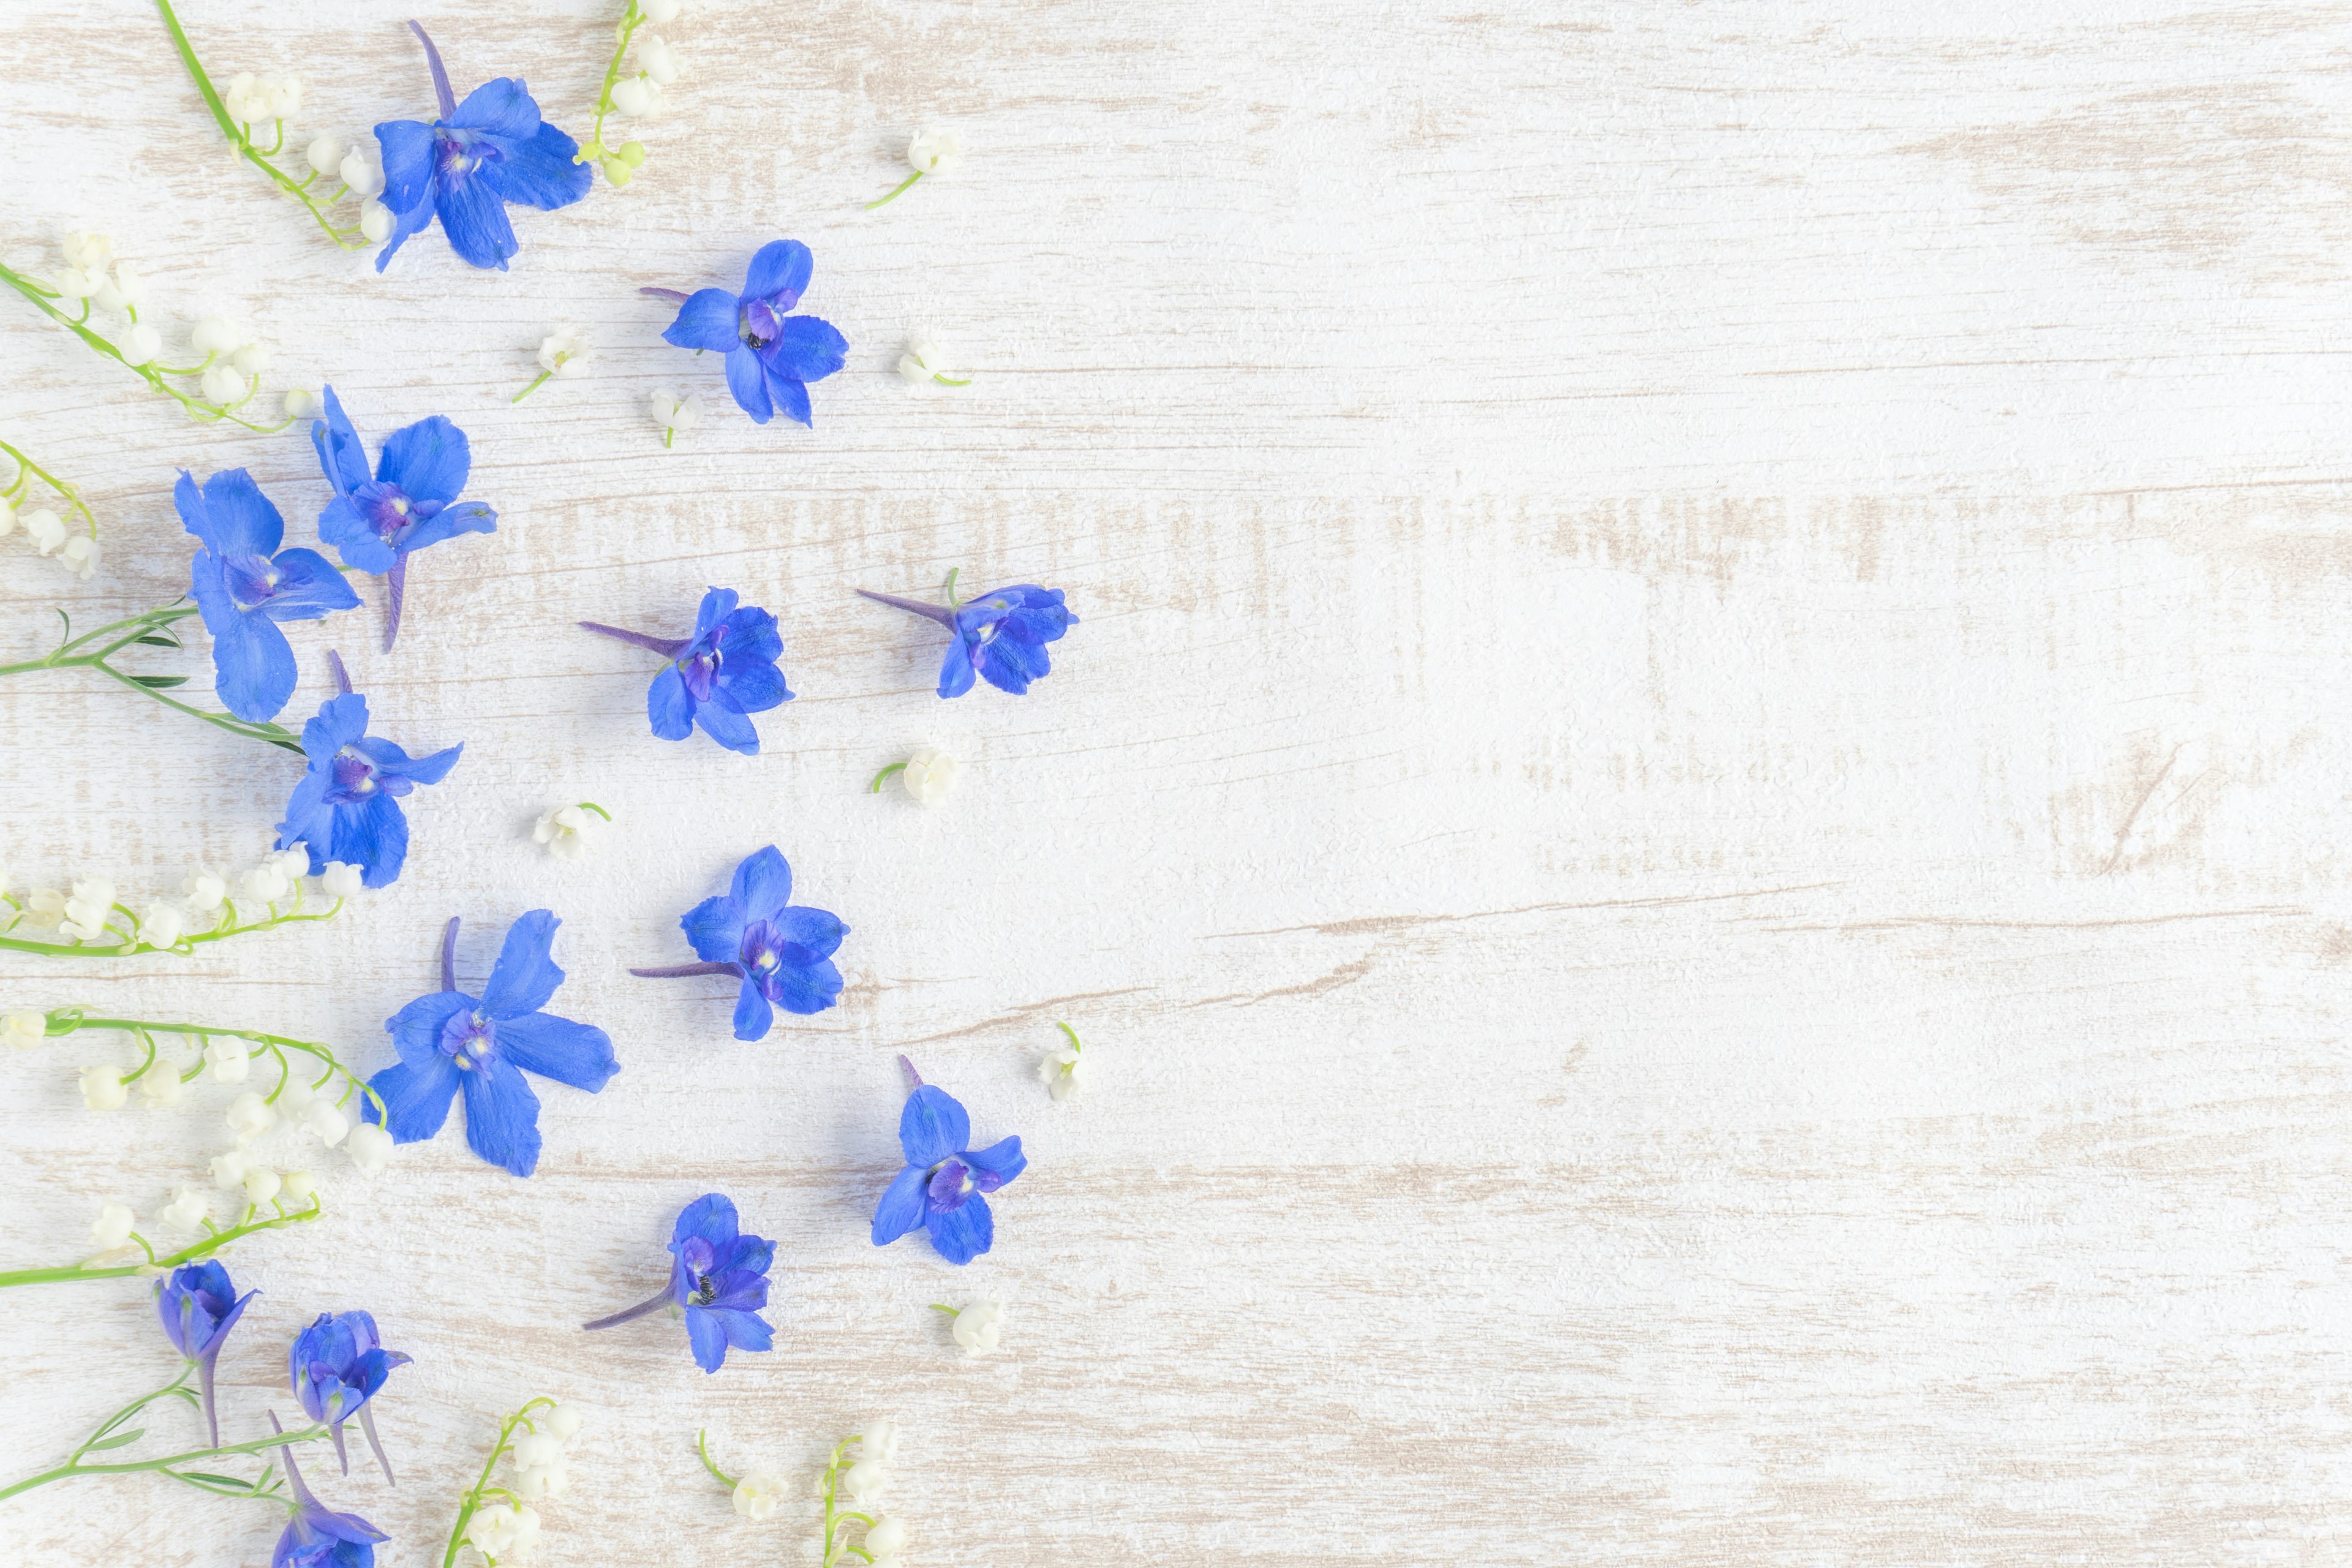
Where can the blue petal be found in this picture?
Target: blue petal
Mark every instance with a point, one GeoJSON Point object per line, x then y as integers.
{"type": "Point", "coordinates": [502, 1116]}
{"type": "Point", "coordinates": [762, 885]}
{"type": "Point", "coordinates": [416, 1029]}
{"type": "Point", "coordinates": [745, 1331]}
{"type": "Point", "coordinates": [425, 770]}
{"type": "Point", "coordinates": [340, 721]}
{"type": "Point", "coordinates": [230, 514]}
{"type": "Point", "coordinates": [1004, 1159]}
{"type": "Point", "coordinates": [253, 665]}
{"type": "Point", "coordinates": [789, 399]}
{"type": "Point", "coordinates": [538, 171]}
{"type": "Point", "coordinates": [747, 380]}
{"type": "Point", "coordinates": [815, 932]}
{"type": "Point", "coordinates": [956, 670]}
{"type": "Point", "coordinates": [779, 274]}
{"type": "Point", "coordinates": [417, 1098]}
{"type": "Point", "coordinates": [475, 220]}
{"type": "Point", "coordinates": [669, 708]}
{"type": "Point", "coordinates": [580, 1055]}
{"type": "Point", "coordinates": [806, 349]}
{"type": "Point", "coordinates": [308, 818]}
{"type": "Point", "coordinates": [500, 107]}
{"type": "Point", "coordinates": [718, 606]}
{"type": "Point", "coordinates": [962, 1233]}
{"type": "Point", "coordinates": [372, 835]}
{"type": "Point", "coordinates": [362, 548]}
{"type": "Point", "coordinates": [1009, 665]}
{"type": "Point", "coordinates": [708, 1339]}
{"type": "Point", "coordinates": [707, 321]}
{"type": "Point", "coordinates": [466, 517]}
{"type": "Point", "coordinates": [901, 1208]}
{"type": "Point", "coordinates": [407, 149]}
{"type": "Point", "coordinates": [429, 459]}
{"type": "Point", "coordinates": [308, 588]}
{"type": "Point", "coordinates": [809, 988]}
{"type": "Point", "coordinates": [932, 1126]}
{"type": "Point", "coordinates": [341, 456]}
{"type": "Point", "coordinates": [711, 1216]}
{"type": "Point", "coordinates": [714, 928]}
{"type": "Point", "coordinates": [754, 688]}
{"type": "Point", "coordinates": [404, 226]}
{"type": "Point", "coordinates": [747, 635]}
{"type": "Point", "coordinates": [524, 977]}
{"type": "Point", "coordinates": [752, 1014]}
{"type": "Point", "coordinates": [722, 719]}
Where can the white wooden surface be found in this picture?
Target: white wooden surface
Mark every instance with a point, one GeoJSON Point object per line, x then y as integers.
{"type": "Point", "coordinates": [1699, 815]}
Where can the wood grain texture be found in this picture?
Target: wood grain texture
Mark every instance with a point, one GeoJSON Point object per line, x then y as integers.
{"type": "Point", "coordinates": [1697, 820]}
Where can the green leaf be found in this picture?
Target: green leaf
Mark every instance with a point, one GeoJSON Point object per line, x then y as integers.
{"type": "Point", "coordinates": [67, 635]}
{"type": "Point", "coordinates": [121, 1440]}
{"type": "Point", "coordinates": [154, 640]}
{"type": "Point", "coordinates": [217, 1480]}
{"type": "Point", "coordinates": [161, 683]}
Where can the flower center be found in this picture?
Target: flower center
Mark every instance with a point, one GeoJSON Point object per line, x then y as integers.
{"type": "Point", "coordinates": [354, 778]}
{"type": "Point", "coordinates": [252, 580]}
{"type": "Point", "coordinates": [950, 1185]}
{"type": "Point", "coordinates": [468, 1037]}
{"type": "Point", "coordinates": [760, 325]}
{"type": "Point", "coordinates": [390, 510]}
{"type": "Point", "coordinates": [455, 154]}
{"type": "Point", "coordinates": [699, 1257]}
{"type": "Point", "coordinates": [701, 673]}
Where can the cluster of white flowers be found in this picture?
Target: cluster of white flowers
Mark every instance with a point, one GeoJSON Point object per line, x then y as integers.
{"type": "Point", "coordinates": [980, 1327]}
{"type": "Point", "coordinates": [569, 831]}
{"type": "Point", "coordinates": [865, 1482]}
{"type": "Point", "coordinates": [926, 367]}
{"type": "Point", "coordinates": [270, 102]}
{"type": "Point", "coordinates": [46, 533]}
{"type": "Point", "coordinates": [639, 95]}
{"type": "Point", "coordinates": [505, 1531]}
{"type": "Point", "coordinates": [674, 413]}
{"type": "Point", "coordinates": [260, 100]}
{"type": "Point", "coordinates": [89, 912]}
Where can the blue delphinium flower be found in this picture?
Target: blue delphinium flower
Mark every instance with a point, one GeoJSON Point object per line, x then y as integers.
{"type": "Point", "coordinates": [484, 1045]}
{"type": "Point", "coordinates": [943, 1186]}
{"type": "Point", "coordinates": [717, 677]}
{"type": "Point", "coordinates": [467, 166]}
{"type": "Point", "coordinates": [720, 1276]}
{"type": "Point", "coordinates": [337, 1364]}
{"type": "Point", "coordinates": [199, 1306]}
{"type": "Point", "coordinates": [347, 806]}
{"type": "Point", "coordinates": [317, 1536]}
{"type": "Point", "coordinates": [771, 355]}
{"type": "Point", "coordinates": [782, 952]}
{"type": "Point", "coordinates": [243, 585]}
{"type": "Point", "coordinates": [377, 524]}
{"type": "Point", "coordinates": [1000, 635]}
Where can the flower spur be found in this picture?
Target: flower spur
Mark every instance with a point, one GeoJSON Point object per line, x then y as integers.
{"type": "Point", "coordinates": [718, 1277]}
{"type": "Point", "coordinates": [337, 1366]}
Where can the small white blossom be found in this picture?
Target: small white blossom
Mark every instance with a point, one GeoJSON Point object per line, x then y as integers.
{"type": "Point", "coordinates": [660, 13]}
{"type": "Point", "coordinates": [79, 556]}
{"type": "Point", "coordinates": [141, 344]}
{"type": "Point", "coordinates": [281, 97]}
{"type": "Point", "coordinates": [25, 1030]}
{"type": "Point", "coordinates": [257, 101]}
{"type": "Point", "coordinates": [564, 353]}
{"type": "Point", "coordinates": [262, 1184]}
{"type": "Point", "coordinates": [44, 529]}
{"type": "Point", "coordinates": [759, 1494]}
{"type": "Point", "coordinates": [300, 1185]}
{"type": "Point", "coordinates": [538, 1481]}
{"type": "Point", "coordinates": [375, 221]}
{"type": "Point", "coordinates": [215, 334]}
{"type": "Point", "coordinates": [202, 891]}
{"type": "Point", "coordinates": [888, 1538]}
{"type": "Point", "coordinates": [187, 1210]}
{"type": "Point", "coordinates": [565, 1422]}
{"type": "Point", "coordinates": [302, 403]}
{"type": "Point", "coordinates": [674, 413]}
{"type": "Point", "coordinates": [113, 1226]}
{"type": "Point", "coordinates": [221, 384]}
{"type": "Point", "coordinates": [103, 1088]}
{"type": "Point", "coordinates": [979, 1327]}
{"type": "Point", "coordinates": [162, 925]}
{"type": "Point", "coordinates": [229, 1060]}
{"type": "Point", "coordinates": [526, 1531]}
{"type": "Point", "coordinates": [77, 282]}
{"type": "Point", "coordinates": [251, 358]}
{"type": "Point", "coordinates": [864, 1480]}
{"type": "Point", "coordinates": [935, 151]}
{"type": "Point", "coordinates": [879, 1441]}
{"type": "Point", "coordinates": [88, 910]}
{"type": "Point", "coordinates": [492, 1531]}
{"type": "Point", "coordinates": [265, 882]}
{"type": "Point", "coordinates": [249, 1116]}
{"type": "Point", "coordinates": [360, 172]}
{"type": "Point", "coordinates": [322, 1118]}
{"type": "Point", "coordinates": [126, 290]}
{"type": "Point", "coordinates": [924, 364]}
{"type": "Point", "coordinates": [341, 880]}
{"type": "Point", "coordinates": [1064, 1072]}
{"type": "Point", "coordinates": [293, 862]}
{"type": "Point", "coordinates": [369, 1146]}
{"type": "Point", "coordinates": [565, 832]}
{"type": "Point", "coordinates": [929, 775]}
{"type": "Point", "coordinates": [89, 251]}
{"type": "Point", "coordinates": [657, 60]}
{"type": "Point", "coordinates": [325, 154]}
{"type": "Point", "coordinates": [230, 1170]}
{"type": "Point", "coordinates": [45, 907]}
{"type": "Point", "coordinates": [161, 1087]}
{"type": "Point", "coordinates": [636, 96]}
{"type": "Point", "coordinates": [538, 1448]}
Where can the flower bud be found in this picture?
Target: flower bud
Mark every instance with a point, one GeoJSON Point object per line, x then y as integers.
{"type": "Point", "coordinates": [249, 1116]}
{"type": "Point", "coordinates": [202, 893]}
{"type": "Point", "coordinates": [221, 384]}
{"type": "Point", "coordinates": [101, 1088]}
{"type": "Point", "coordinates": [25, 1029]}
{"type": "Point", "coordinates": [229, 1170]}
{"type": "Point", "coordinates": [113, 1226]}
{"type": "Point", "coordinates": [162, 1087]}
{"type": "Point", "coordinates": [565, 1422]}
{"type": "Point", "coordinates": [759, 1494]}
{"type": "Point", "coordinates": [360, 172]}
{"type": "Point", "coordinates": [215, 334]}
{"type": "Point", "coordinates": [300, 1185]}
{"type": "Point", "coordinates": [660, 13]}
{"type": "Point", "coordinates": [162, 925]}
{"type": "Point", "coordinates": [302, 403]}
{"type": "Point", "coordinates": [888, 1538]}
{"type": "Point", "coordinates": [79, 556]}
{"type": "Point", "coordinates": [141, 344]}
{"type": "Point", "coordinates": [325, 153]}
{"type": "Point", "coordinates": [369, 1146]}
{"type": "Point", "coordinates": [633, 153]}
{"type": "Point", "coordinates": [321, 1118]}
{"type": "Point", "coordinates": [262, 1184]}
{"type": "Point", "coordinates": [250, 359]}
{"type": "Point", "coordinates": [187, 1210]}
{"type": "Point", "coordinates": [340, 881]}
{"type": "Point", "coordinates": [230, 1059]}
{"type": "Point", "coordinates": [657, 60]}
{"type": "Point", "coordinates": [44, 529]}
{"type": "Point", "coordinates": [375, 221]}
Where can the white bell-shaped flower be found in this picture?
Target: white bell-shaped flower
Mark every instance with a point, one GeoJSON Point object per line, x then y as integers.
{"type": "Point", "coordinates": [249, 1116]}
{"type": "Point", "coordinates": [102, 1087]}
{"type": "Point", "coordinates": [161, 1087]}
{"type": "Point", "coordinates": [79, 555]}
{"type": "Point", "coordinates": [657, 60]}
{"type": "Point", "coordinates": [162, 924]}
{"type": "Point", "coordinates": [322, 1118]}
{"type": "Point", "coordinates": [759, 1494]}
{"type": "Point", "coordinates": [229, 1060]}
{"type": "Point", "coordinates": [25, 1029]}
{"type": "Point", "coordinates": [369, 1147]}
{"type": "Point", "coordinates": [113, 1226]}
{"type": "Point", "coordinates": [187, 1210]}
{"type": "Point", "coordinates": [936, 151]}
{"type": "Point", "coordinates": [139, 345]}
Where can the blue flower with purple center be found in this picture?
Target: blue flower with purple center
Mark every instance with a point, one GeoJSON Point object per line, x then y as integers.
{"type": "Point", "coordinates": [337, 1365]}
{"type": "Point", "coordinates": [450, 1042]}
{"type": "Point", "coordinates": [347, 806]}
{"type": "Point", "coordinates": [771, 354]}
{"type": "Point", "coordinates": [718, 676]}
{"type": "Point", "coordinates": [1000, 636]}
{"type": "Point", "coordinates": [377, 524]}
{"type": "Point", "coordinates": [466, 166]}
{"type": "Point", "coordinates": [198, 1306]}
{"type": "Point", "coordinates": [718, 1277]}
{"type": "Point", "coordinates": [317, 1536]}
{"type": "Point", "coordinates": [945, 1185]}
{"type": "Point", "coordinates": [781, 951]}
{"type": "Point", "coordinates": [244, 586]}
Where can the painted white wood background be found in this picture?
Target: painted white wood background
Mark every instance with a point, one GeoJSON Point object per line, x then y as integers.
{"type": "Point", "coordinates": [1697, 821]}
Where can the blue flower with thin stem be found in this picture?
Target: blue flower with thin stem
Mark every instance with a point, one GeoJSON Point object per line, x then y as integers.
{"type": "Point", "coordinates": [377, 524]}
{"type": "Point", "coordinates": [466, 167]}
{"type": "Point", "coordinates": [719, 1275]}
{"type": "Point", "coordinates": [337, 1365]}
{"type": "Point", "coordinates": [781, 951]}
{"type": "Point", "coordinates": [317, 1536]}
{"type": "Point", "coordinates": [245, 586]}
{"type": "Point", "coordinates": [483, 1044]}
{"type": "Point", "coordinates": [718, 678]}
{"type": "Point", "coordinates": [199, 1306]}
{"type": "Point", "coordinates": [1001, 635]}
{"type": "Point", "coordinates": [347, 806]}
{"type": "Point", "coordinates": [944, 1185]}
{"type": "Point", "coordinates": [771, 354]}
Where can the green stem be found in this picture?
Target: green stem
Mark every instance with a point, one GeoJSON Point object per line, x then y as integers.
{"type": "Point", "coordinates": [28, 469]}
{"type": "Point", "coordinates": [194, 407]}
{"type": "Point", "coordinates": [702, 1446]}
{"type": "Point", "coordinates": [592, 805]}
{"type": "Point", "coordinates": [950, 381]}
{"type": "Point", "coordinates": [140, 629]}
{"type": "Point", "coordinates": [876, 787]}
{"type": "Point", "coordinates": [67, 1020]}
{"type": "Point", "coordinates": [193, 1252]}
{"type": "Point", "coordinates": [543, 378]}
{"type": "Point", "coordinates": [938, 1307]}
{"type": "Point", "coordinates": [72, 1468]}
{"type": "Point", "coordinates": [886, 201]}
{"type": "Point", "coordinates": [630, 21]}
{"type": "Point", "coordinates": [472, 1502]}
{"type": "Point", "coordinates": [1073, 1034]}
{"type": "Point", "coordinates": [242, 140]}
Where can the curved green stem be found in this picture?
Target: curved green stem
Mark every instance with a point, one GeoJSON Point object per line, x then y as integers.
{"type": "Point", "coordinates": [544, 376]}
{"type": "Point", "coordinates": [194, 407]}
{"type": "Point", "coordinates": [472, 1501]}
{"type": "Point", "coordinates": [702, 1446]}
{"type": "Point", "coordinates": [149, 627]}
{"type": "Point", "coordinates": [894, 195]}
{"type": "Point", "coordinates": [1072, 1034]}
{"type": "Point", "coordinates": [28, 471]}
{"type": "Point", "coordinates": [876, 787]}
{"type": "Point", "coordinates": [67, 1020]}
{"type": "Point", "coordinates": [592, 805]}
{"type": "Point", "coordinates": [194, 1252]}
{"type": "Point", "coordinates": [594, 147]}
{"type": "Point", "coordinates": [950, 381]}
{"type": "Point", "coordinates": [71, 1468]}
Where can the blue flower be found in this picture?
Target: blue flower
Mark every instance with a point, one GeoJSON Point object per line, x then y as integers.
{"type": "Point", "coordinates": [198, 1307]}
{"type": "Point", "coordinates": [245, 586]}
{"type": "Point", "coordinates": [467, 166]}
{"type": "Point", "coordinates": [484, 1045]}
{"type": "Point", "coordinates": [347, 807]}
{"type": "Point", "coordinates": [724, 673]}
{"type": "Point", "coordinates": [942, 1185]}
{"type": "Point", "coordinates": [317, 1536]}
{"type": "Point", "coordinates": [337, 1365]}
{"type": "Point", "coordinates": [377, 524]}
{"type": "Point", "coordinates": [1001, 635]}
{"type": "Point", "coordinates": [720, 1276]}
{"type": "Point", "coordinates": [782, 952]}
{"type": "Point", "coordinates": [771, 355]}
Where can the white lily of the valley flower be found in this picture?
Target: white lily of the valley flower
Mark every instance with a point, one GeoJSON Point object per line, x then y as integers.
{"type": "Point", "coordinates": [565, 832]}
{"type": "Point", "coordinates": [293, 862]}
{"type": "Point", "coordinates": [88, 250]}
{"type": "Point", "coordinates": [538, 1448]}
{"type": "Point", "coordinates": [265, 882]}
{"type": "Point", "coordinates": [1062, 1072]}
{"type": "Point", "coordinates": [24, 1030]}
{"type": "Point", "coordinates": [44, 529]}
{"type": "Point", "coordinates": [113, 1226]}
{"type": "Point", "coordinates": [925, 365]}
{"type": "Point", "coordinates": [369, 1146]}
{"type": "Point", "coordinates": [661, 13]}
{"type": "Point", "coordinates": [45, 909]}
{"type": "Point", "coordinates": [161, 1087]}
{"type": "Point", "coordinates": [221, 384]}
{"type": "Point", "coordinates": [202, 891]}
{"type": "Point", "coordinates": [375, 221]}
{"type": "Point", "coordinates": [492, 1532]}
{"type": "Point", "coordinates": [636, 96]}
{"type": "Point", "coordinates": [125, 290]}
{"type": "Point", "coordinates": [321, 1117]}
{"type": "Point", "coordinates": [341, 880]}
{"type": "Point", "coordinates": [888, 1538]}
{"type": "Point", "coordinates": [249, 1116]}
{"type": "Point", "coordinates": [759, 1494]}
{"type": "Point", "coordinates": [360, 172]}
{"type": "Point", "coordinates": [139, 345]}
{"type": "Point", "coordinates": [229, 1170]}
{"type": "Point", "coordinates": [162, 925]}
{"type": "Point", "coordinates": [262, 1184]}
{"type": "Point", "coordinates": [929, 775]}
{"type": "Point", "coordinates": [251, 358]}
{"type": "Point", "coordinates": [866, 1479]}
{"type": "Point", "coordinates": [187, 1210]}
{"type": "Point", "coordinates": [657, 60]}
{"type": "Point", "coordinates": [302, 403]}
{"type": "Point", "coordinates": [674, 413]}
{"type": "Point", "coordinates": [215, 334]}
{"type": "Point", "coordinates": [301, 1186]}
{"type": "Point", "coordinates": [565, 1421]}
{"type": "Point", "coordinates": [879, 1441]}
{"type": "Point", "coordinates": [935, 151]}
{"type": "Point", "coordinates": [102, 1087]}
{"type": "Point", "coordinates": [564, 353]}
{"type": "Point", "coordinates": [79, 556]}
{"type": "Point", "coordinates": [536, 1481]}
{"type": "Point", "coordinates": [77, 282]}
{"type": "Point", "coordinates": [229, 1060]}
{"type": "Point", "coordinates": [88, 910]}
{"type": "Point", "coordinates": [979, 1327]}
{"type": "Point", "coordinates": [325, 154]}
